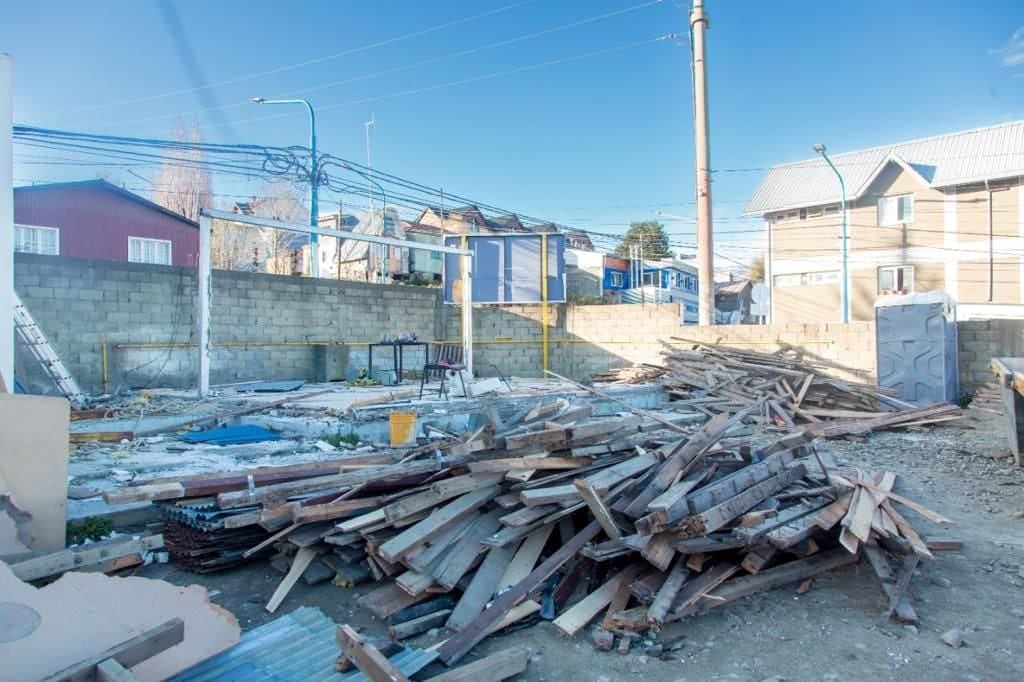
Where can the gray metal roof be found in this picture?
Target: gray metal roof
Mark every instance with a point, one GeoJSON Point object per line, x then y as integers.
{"type": "Point", "coordinates": [969, 156]}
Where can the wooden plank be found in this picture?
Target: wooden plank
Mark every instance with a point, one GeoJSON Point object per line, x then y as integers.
{"type": "Point", "coordinates": [620, 600]}
{"type": "Point", "coordinates": [439, 492]}
{"type": "Point", "coordinates": [416, 626]}
{"type": "Point", "coordinates": [833, 513]}
{"type": "Point", "coordinates": [112, 671]}
{"type": "Point", "coordinates": [465, 552]}
{"type": "Point", "coordinates": [87, 555]}
{"type": "Point", "coordinates": [387, 599]}
{"type": "Point", "coordinates": [597, 508]}
{"type": "Point", "coordinates": [667, 593]}
{"type": "Point", "coordinates": [429, 556]}
{"type": "Point", "coordinates": [718, 516]}
{"type": "Point", "coordinates": [457, 647]}
{"type": "Point", "coordinates": [526, 463]}
{"type": "Point", "coordinates": [585, 610]}
{"type": "Point", "coordinates": [493, 668]}
{"type": "Point", "coordinates": [907, 530]}
{"type": "Point", "coordinates": [900, 588]}
{"type": "Point", "coordinates": [435, 524]}
{"type": "Point", "coordinates": [658, 550]}
{"type": "Point", "coordinates": [552, 495]}
{"type": "Point", "coordinates": [700, 586]}
{"type": "Point", "coordinates": [527, 515]}
{"type": "Point", "coordinates": [367, 658]}
{"type": "Point", "coordinates": [129, 653]}
{"type": "Point", "coordinates": [482, 586]}
{"type": "Point", "coordinates": [525, 559]}
{"type": "Point", "coordinates": [903, 610]}
{"type": "Point", "coordinates": [942, 542]}
{"type": "Point", "coordinates": [759, 557]}
{"type": "Point", "coordinates": [791, 572]}
{"type": "Point", "coordinates": [300, 563]}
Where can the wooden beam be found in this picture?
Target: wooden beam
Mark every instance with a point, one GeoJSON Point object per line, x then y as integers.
{"type": "Point", "coordinates": [129, 653]}
{"type": "Point", "coordinates": [493, 668]}
{"type": "Point", "coordinates": [597, 508]}
{"type": "Point", "coordinates": [526, 558]}
{"type": "Point", "coordinates": [435, 524]}
{"type": "Point", "coordinates": [459, 645]}
{"type": "Point", "coordinates": [87, 555]}
{"type": "Point", "coordinates": [666, 595]}
{"type": "Point", "coordinates": [367, 658]}
{"type": "Point", "coordinates": [300, 563]}
{"type": "Point", "coordinates": [575, 619]}
{"type": "Point", "coordinates": [482, 586]}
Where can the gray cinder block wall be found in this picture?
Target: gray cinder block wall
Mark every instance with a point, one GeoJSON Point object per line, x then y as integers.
{"type": "Point", "coordinates": [268, 321]}
{"type": "Point", "coordinates": [268, 324]}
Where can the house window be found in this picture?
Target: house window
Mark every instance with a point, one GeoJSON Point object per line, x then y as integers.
{"type": "Point", "coordinates": [435, 255]}
{"type": "Point", "coordinates": [896, 210]}
{"type": "Point", "coordinates": [787, 217]}
{"type": "Point", "coordinates": [893, 279]}
{"type": "Point", "coordinates": [155, 251]}
{"type": "Point", "coordinates": [813, 278]}
{"type": "Point", "coordinates": [816, 212]}
{"type": "Point", "coordinates": [32, 239]}
{"type": "Point", "coordinates": [690, 308]}
{"type": "Point", "coordinates": [652, 279]}
{"type": "Point", "coordinates": [832, 210]}
{"type": "Point", "coordinates": [616, 279]}
{"type": "Point", "coordinates": [787, 280]}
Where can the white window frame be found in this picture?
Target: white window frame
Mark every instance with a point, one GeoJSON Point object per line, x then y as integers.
{"type": "Point", "coordinates": [815, 212]}
{"type": "Point", "coordinates": [142, 245]}
{"type": "Point", "coordinates": [832, 209]}
{"type": "Point", "coordinates": [787, 217]}
{"type": "Point", "coordinates": [616, 279]}
{"type": "Point", "coordinates": [907, 279]}
{"type": "Point", "coordinates": [37, 228]}
{"type": "Point", "coordinates": [655, 277]}
{"type": "Point", "coordinates": [897, 207]}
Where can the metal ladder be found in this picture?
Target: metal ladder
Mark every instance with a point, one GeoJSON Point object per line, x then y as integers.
{"type": "Point", "coordinates": [41, 349]}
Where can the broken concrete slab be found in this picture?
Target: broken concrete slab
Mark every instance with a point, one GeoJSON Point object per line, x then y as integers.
{"type": "Point", "coordinates": [83, 614]}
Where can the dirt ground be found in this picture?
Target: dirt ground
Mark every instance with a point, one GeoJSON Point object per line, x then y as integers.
{"type": "Point", "coordinates": [828, 633]}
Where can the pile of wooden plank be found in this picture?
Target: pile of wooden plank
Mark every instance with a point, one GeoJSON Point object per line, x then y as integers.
{"type": "Point", "coordinates": [555, 513]}
{"type": "Point", "coordinates": [785, 390]}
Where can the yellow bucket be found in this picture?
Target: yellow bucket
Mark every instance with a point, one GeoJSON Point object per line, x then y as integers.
{"type": "Point", "coordinates": [403, 428]}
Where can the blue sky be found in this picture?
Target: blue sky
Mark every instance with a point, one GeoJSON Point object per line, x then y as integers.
{"type": "Point", "coordinates": [592, 142]}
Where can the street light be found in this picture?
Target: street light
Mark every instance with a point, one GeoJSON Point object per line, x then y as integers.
{"type": "Point", "coordinates": [845, 287]}
{"type": "Point", "coordinates": [314, 256]}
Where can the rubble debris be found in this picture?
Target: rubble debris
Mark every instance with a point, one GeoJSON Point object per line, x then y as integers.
{"type": "Point", "coordinates": [513, 515]}
{"type": "Point", "coordinates": [84, 617]}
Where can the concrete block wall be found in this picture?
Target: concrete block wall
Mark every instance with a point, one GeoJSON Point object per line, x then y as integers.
{"type": "Point", "coordinates": [982, 340]}
{"type": "Point", "coordinates": [848, 350]}
{"type": "Point", "coordinates": [80, 304]}
{"type": "Point", "coordinates": [582, 339]}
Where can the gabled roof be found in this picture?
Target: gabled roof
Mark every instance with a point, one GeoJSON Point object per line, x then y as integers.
{"type": "Point", "coordinates": [113, 189]}
{"type": "Point", "coordinates": [969, 156]}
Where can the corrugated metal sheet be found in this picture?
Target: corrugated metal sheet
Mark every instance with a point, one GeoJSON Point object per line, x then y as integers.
{"type": "Point", "coordinates": [958, 158]}
{"type": "Point", "coordinates": [296, 647]}
{"type": "Point", "coordinates": [95, 220]}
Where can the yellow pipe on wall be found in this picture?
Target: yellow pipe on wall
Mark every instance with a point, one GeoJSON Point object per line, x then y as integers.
{"type": "Point", "coordinates": [544, 299]}
{"type": "Point", "coordinates": [104, 349]}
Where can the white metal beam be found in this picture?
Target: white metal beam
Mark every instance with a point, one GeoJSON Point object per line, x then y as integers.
{"type": "Point", "coordinates": [6, 223]}
{"type": "Point", "coordinates": [205, 295]}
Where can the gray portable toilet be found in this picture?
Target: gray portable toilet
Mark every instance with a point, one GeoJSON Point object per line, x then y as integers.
{"type": "Point", "coordinates": [916, 344]}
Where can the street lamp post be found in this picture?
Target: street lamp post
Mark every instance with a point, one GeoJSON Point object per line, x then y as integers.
{"type": "Point", "coordinates": [845, 286]}
{"type": "Point", "coordinates": [314, 256]}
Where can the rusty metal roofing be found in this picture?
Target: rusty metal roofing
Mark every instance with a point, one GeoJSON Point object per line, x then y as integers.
{"type": "Point", "coordinates": [989, 153]}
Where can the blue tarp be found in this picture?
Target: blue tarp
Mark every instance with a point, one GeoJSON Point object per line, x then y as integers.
{"type": "Point", "coordinates": [232, 435]}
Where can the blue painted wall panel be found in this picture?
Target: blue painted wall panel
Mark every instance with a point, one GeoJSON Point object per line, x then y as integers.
{"type": "Point", "coordinates": [507, 268]}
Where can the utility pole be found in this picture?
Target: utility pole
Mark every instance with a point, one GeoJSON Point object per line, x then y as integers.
{"type": "Point", "coordinates": [705, 239]}
{"type": "Point", "coordinates": [6, 225]}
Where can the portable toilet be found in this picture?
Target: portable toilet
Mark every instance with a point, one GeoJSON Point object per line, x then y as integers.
{"type": "Point", "coordinates": [916, 345]}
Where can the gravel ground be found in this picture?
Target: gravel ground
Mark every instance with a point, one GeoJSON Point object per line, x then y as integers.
{"type": "Point", "coordinates": [963, 472]}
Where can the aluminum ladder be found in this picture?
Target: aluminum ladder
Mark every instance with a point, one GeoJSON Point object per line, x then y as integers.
{"type": "Point", "coordinates": [41, 349]}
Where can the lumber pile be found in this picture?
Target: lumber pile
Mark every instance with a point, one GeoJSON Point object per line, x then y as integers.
{"type": "Point", "coordinates": [779, 388]}
{"type": "Point", "coordinates": [635, 374]}
{"type": "Point", "coordinates": [988, 398]}
{"type": "Point", "coordinates": [550, 512]}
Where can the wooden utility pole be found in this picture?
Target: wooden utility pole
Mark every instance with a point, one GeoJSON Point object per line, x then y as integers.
{"type": "Point", "coordinates": [705, 239]}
